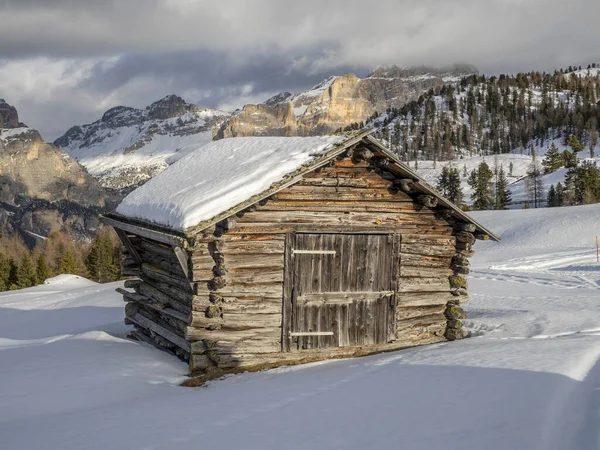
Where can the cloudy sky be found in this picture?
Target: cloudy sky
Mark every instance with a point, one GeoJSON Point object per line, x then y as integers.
{"type": "Point", "coordinates": [64, 62]}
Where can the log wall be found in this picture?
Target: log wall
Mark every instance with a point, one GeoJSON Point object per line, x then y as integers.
{"type": "Point", "coordinates": [248, 251]}
{"type": "Point", "coordinates": [219, 304]}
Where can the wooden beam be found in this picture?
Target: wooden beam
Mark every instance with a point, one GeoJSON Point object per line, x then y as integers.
{"type": "Point", "coordinates": [127, 243]}
{"type": "Point", "coordinates": [182, 257]}
{"type": "Point", "coordinates": [155, 235]}
{"type": "Point", "coordinates": [156, 328]}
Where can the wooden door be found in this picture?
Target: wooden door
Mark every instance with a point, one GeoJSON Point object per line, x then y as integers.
{"type": "Point", "coordinates": [342, 290]}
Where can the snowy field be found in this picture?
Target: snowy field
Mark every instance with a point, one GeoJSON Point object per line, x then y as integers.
{"type": "Point", "coordinates": [528, 379]}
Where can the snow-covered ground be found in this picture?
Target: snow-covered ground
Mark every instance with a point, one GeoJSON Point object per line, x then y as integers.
{"type": "Point", "coordinates": [528, 379]}
{"type": "Point", "coordinates": [521, 161]}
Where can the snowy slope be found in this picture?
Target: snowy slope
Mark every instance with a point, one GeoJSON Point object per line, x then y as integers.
{"type": "Point", "coordinates": [521, 162]}
{"type": "Point", "coordinates": [528, 379]}
{"type": "Point", "coordinates": [127, 146]}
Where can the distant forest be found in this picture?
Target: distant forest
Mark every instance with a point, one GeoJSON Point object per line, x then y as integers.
{"type": "Point", "coordinates": [20, 267]}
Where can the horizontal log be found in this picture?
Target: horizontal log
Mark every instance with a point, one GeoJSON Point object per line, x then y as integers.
{"type": "Point", "coordinates": [443, 240]}
{"type": "Point", "coordinates": [426, 250]}
{"type": "Point", "coordinates": [240, 289]}
{"type": "Point", "coordinates": [345, 182]}
{"type": "Point", "coordinates": [264, 360]}
{"type": "Point", "coordinates": [254, 260]}
{"type": "Point", "coordinates": [342, 217]}
{"type": "Point", "coordinates": [202, 334]}
{"type": "Point", "coordinates": [235, 322]}
{"type": "Point", "coordinates": [424, 260]}
{"type": "Point", "coordinates": [411, 312]}
{"type": "Point", "coordinates": [258, 275]}
{"type": "Point", "coordinates": [425, 272]}
{"type": "Point", "coordinates": [158, 329]}
{"type": "Point", "coordinates": [422, 321]}
{"type": "Point", "coordinates": [424, 285]}
{"type": "Point", "coordinates": [145, 232]}
{"type": "Point", "coordinates": [402, 227]}
{"type": "Point", "coordinates": [423, 331]}
{"type": "Point", "coordinates": [157, 249]}
{"type": "Point", "coordinates": [298, 192]}
{"type": "Point", "coordinates": [409, 299]}
{"type": "Point", "coordinates": [158, 307]}
{"type": "Point", "coordinates": [158, 274]}
{"type": "Point", "coordinates": [166, 300]}
{"type": "Point", "coordinates": [345, 205]}
{"type": "Point", "coordinates": [170, 291]}
{"type": "Point", "coordinates": [266, 246]}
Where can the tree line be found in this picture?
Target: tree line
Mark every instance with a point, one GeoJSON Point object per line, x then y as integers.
{"type": "Point", "coordinates": [21, 267]}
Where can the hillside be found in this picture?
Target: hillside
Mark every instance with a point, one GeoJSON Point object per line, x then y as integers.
{"type": "Point", "coordinates": [42, 189]}
{"type": "Point", "coordinates": [500, 119]}
{"type": "Point", "coordinates": [528, 378]}
{"type": "Point", "coordinates": [338, 102]}
{"type": "Point", "coordinates": [128, 146]}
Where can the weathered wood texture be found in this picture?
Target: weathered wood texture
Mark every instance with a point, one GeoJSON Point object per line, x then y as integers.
{"type": "Point", "coordinates": [397, 265]}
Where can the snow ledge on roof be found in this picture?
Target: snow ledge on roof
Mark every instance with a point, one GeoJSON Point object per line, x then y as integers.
{"type": "Point", "coordinates": [219, 176]}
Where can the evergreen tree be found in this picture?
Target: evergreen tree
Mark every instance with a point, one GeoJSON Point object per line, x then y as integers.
{"type": "Point", "coordinates": [102, 263]}
{"type": "Point", "coordinates": [25, 272]}
{"type": "Point", "coordinates": [503, 195]}
{"type": "Point", "coordinates": [42, 271]}
{"type": "Point", "coordinates": [534, 184]}
{"type": "Point", "coordinates": [480, 181]}
{"type": "Point", "coordinates": [583, 184]}
{"type": "Point", "coordinates": [552, 197]}
{"type": "Point", "coordinates": [13, 278]}
{"type": "Point", "coordinates": [454, 189]}
{"type": "Point", "coordinates": [68, 263]}
{"type": "Point", "coordinates": [553, 160]}
{"type": "Point", "coordinates": [560, 197]}
{"type": "Point", "coordinates": [575, 145]}
{"type": "Point", "coordinates": [4, 272]}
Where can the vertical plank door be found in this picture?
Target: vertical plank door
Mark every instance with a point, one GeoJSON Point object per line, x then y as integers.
{"type": "Point", "coordinates": [343, 290]}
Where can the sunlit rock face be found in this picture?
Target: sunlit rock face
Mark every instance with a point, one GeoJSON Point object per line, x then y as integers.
{"type": "Point", "coordinates": [337, 102]}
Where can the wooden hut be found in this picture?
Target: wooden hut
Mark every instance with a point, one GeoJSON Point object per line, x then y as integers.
{"type": "Point", "coordinates": [343, 251]}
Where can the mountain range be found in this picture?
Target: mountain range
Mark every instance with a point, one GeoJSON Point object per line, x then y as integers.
{"type": "Point", "coordinates": [127, 146]}
{"type": "Point", "coordinates": [422, 113]}
{"type": "Point", "coordinates": [43, 189]}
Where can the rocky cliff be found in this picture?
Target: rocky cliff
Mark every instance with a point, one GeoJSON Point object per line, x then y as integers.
{"type": "Point", "coordinates": [127, 146]}
{"type": "Point", "coordinates": [337, 102]}
{"type": "Point", "coordinates": [42, 189]}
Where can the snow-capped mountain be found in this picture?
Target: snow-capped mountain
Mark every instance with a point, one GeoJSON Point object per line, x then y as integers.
{"type": "Point", "coordinates": [128, 146]}
{"type": "Point", "coordinates": [43, 189]}
{"type": "Point", "coordinates": [338, 102]}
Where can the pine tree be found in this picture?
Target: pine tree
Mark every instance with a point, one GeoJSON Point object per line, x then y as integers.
{"type": "Point", "coordinates": [42, 270]}
{"type": "Point", "coordinates": [534, 184]}
{"type": "Point", "coordinates": [560, 198]}
{"type": "Point", "coordinates": [454, 189]}
{"type": "Point", "coordinates": [4, 272]}
{"type": "Point", "coordinates": [503, 195]}
{"type": "Point", "coordinates": [552, 197]}
{"type": "Point", "coordinates": [68, 263]}
{"type": "Point", "coordinates": [25, 272]}
{"type": "Point", "coordinates": [480, 181]}
{"type": "Point", "coordinates": [575, 145]}
{"type": "Point", "coordinates": [553, 160]}
{"type": "Point", "coordinates": [13, 277]}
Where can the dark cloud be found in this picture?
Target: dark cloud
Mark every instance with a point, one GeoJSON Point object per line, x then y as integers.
{"type": "Point", "coordinates": [84, 56]}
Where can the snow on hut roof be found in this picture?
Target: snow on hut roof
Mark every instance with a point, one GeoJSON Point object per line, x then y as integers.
{"type": "Point", "coordinates": [219, 176]}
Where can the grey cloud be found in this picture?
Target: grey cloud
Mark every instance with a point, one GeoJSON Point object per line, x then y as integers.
{"type": "Point", "coordinates": [223, 53]}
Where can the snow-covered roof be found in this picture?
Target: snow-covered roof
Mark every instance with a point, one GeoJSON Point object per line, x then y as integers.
{"type": "Point", "coordinates": [227, 176]}
{"type": "Point", "coordinates": [219, 176]}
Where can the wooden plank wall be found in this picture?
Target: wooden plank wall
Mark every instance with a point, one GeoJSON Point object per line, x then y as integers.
{"type": "Point", "coordinates": [243, 295]}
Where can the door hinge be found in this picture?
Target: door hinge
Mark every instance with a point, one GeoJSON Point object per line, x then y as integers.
{"type": "Point", "coordinates": [313, 252]}
{"type": "Point", "coordinates": [311, 333]}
